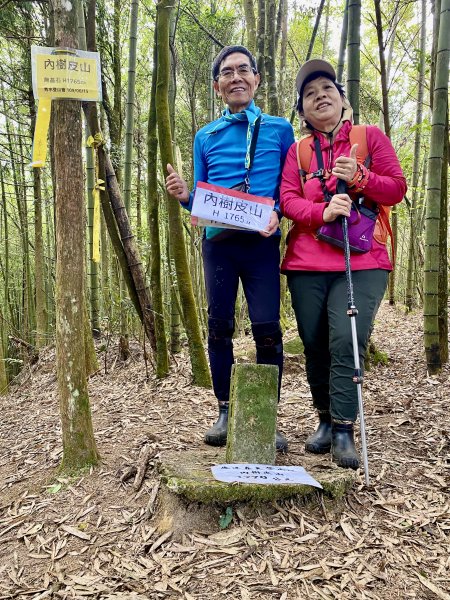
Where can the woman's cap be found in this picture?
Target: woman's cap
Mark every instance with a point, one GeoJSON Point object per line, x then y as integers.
{"type": "Point", "coordinates": [316, 65]}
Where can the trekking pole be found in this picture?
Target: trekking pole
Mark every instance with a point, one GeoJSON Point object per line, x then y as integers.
{"type": "Point", "coordinates": [352, 311]}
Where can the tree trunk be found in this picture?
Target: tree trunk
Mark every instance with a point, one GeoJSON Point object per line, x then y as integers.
{"type": "Point", "coordinates": [79, 449]}
{"type": "Point", "coordinates": [270, 60]}
{"type": "Point", "coordinates": [387, 130]}
{"type": "Point", "coordinates": [139, 166]}
{"type": "Point", "coordinates": [212, 55]}
{"type": "Point", "coordinates": [132, 252]}
{"type": "Point", "coordinates": [162, 356]}
{"type": "Point", "coordinates": [19, 190]}
{"type": "Point", "coordinates": [6, 289]}
{"type": "Point", "coordinates": [383, 74]}
{"type": "Point", "coordinates": [40, 303]}
{"type": "Point", "coordinates": [129, 127]}
{"type": "Point", "coordinates": [28, 284]}
{"type": "Point", "coordinates": [325, 33]}
{"type": "Point", "coordinates": [105, 270]}
{"type": "Point", "coordinates": [443, 254]}
{"type": "Point", "coordinates": [115, 119]}
{"type": "Point", "coordinates": [353, 56]}
{"type": "Point", "coordinates": [91, 175]}
{"type": "Point", "coordinates": [279, 23]}
{"type": "Point", "coordinates": [283, 54]}
{"type": "Point", "coordinates": [250, 23]}
{"type": "Point", "coordinates": [315, 30]}
{"type": "Point", "coordinates": [178, 250]}
{"type": "Point", "coordinates": [414, 233]}
{"type": "Point", "coordinates": [260, 95]}
{"type": "Point", "coordinates": [93, 266]}
{"type": "Point", "coordinates": [3, 377]}
{"type": "Point", "coordinates": [343, 44]}
{"type": "Point", "coordinates": [434, 189]}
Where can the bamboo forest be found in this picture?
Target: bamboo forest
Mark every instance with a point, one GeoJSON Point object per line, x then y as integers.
{"type": "Point", "coordinates": [193, 409]}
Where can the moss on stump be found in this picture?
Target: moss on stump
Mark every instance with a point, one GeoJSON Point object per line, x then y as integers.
{"type": "Point", "coordinates": [253, 414]}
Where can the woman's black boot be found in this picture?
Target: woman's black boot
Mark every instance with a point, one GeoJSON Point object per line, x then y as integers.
{"type": "Point", "coordinates": [343, 451]}
{"type": "Point", "coordinates": [217, 434]}
{"type": "Point", "coordinates": [319, 442]}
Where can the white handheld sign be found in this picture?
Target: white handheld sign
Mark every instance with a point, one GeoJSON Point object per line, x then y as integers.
{"type": "Point", "coordinates": [226, 207]}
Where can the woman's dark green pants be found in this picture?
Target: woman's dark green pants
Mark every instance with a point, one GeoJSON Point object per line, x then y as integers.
{"type": "Point", "coordinates": [320, 304]}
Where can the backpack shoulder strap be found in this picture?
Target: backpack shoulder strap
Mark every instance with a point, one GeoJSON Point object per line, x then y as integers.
{"type": "Point", "coordinates": [304, 153]}
{"type": "Point", "coordinates": [358, 135]}
{"type": "Point", "coordinates": [304, 157]}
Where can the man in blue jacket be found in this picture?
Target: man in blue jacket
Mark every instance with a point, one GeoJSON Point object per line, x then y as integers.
{"type": "Point", "coordinates": [222, 151]}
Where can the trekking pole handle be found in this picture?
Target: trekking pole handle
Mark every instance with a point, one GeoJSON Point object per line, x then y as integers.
{"type": "Point", "coordinates": [341, 187]}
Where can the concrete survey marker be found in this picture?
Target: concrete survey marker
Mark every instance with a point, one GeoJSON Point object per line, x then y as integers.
{"type": "Point", "coordinates": [253, 414]}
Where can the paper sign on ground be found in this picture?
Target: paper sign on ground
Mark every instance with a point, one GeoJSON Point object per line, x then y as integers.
{"type": "Point", "coordinates": [263, 474]}
{"type": "Point", "coordinates": [230, 207]}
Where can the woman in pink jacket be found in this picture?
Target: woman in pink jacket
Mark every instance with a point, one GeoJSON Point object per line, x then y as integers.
{"type": "Point", "coordinates": [316, 269]}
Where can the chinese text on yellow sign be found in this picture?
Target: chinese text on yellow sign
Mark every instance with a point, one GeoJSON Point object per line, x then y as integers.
{"type": "Point", "coordinates": [59, 73]}
{"type": "Point", "coordinates": [66, 74]}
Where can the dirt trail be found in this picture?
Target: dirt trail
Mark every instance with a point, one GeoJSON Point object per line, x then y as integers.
{"type": "Point", "coordinates": [95, 537]}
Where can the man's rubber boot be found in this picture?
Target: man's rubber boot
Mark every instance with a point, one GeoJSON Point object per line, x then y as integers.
{"type": "Point", "coordinates": [343, 451]}
{"type": "Point", "coordinates": [319, 442]}
{"type": "Point", "coordinates": [281, 442]}
{"type": "Point", "coordinates": [217, 434]}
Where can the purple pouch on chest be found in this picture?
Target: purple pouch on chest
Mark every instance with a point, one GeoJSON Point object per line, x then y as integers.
{"type": "Point", "coordinates": [361, 225]}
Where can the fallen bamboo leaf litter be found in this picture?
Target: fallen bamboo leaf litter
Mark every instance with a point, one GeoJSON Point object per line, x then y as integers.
{"type": "Point", "coordinates": [387, 542]}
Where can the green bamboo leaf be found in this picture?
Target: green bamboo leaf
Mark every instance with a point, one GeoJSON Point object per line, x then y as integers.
{"type": "Point", "coordinates": [226, 519]}
{"type": "Point", "coordinates": [54, 489]}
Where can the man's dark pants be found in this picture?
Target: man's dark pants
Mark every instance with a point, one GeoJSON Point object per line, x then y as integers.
{"type": "Point", "coordinates": [254, 260]}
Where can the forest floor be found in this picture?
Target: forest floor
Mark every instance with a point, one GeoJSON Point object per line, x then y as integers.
{"type": "Point", "coordinates": [95, 536]}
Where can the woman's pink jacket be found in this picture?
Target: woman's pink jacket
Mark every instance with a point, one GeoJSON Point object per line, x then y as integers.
{"type": "Point", "coordinates": [386, 185]}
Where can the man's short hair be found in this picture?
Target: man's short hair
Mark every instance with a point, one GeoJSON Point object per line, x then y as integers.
{"type": "Point", "coordinates": [226, 51]}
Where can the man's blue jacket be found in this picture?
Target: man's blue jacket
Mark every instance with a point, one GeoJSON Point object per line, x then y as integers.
{"type": "Point", "coordinates": [220, 150]}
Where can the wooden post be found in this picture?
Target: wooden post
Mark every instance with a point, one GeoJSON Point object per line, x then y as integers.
{"type": "Point", "coordinates": [253, 414]}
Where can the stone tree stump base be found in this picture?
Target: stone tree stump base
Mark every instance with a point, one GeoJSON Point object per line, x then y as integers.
{"type": "Point", "coordinates": [251, 439]}
{"type": "Point", "coordinates": [188, 474]}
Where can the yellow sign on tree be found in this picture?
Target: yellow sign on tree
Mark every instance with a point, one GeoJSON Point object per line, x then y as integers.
{"type": "Point", "coordinates": [61, 73]}
{"type": "Point", "coordinates": [66, 73]}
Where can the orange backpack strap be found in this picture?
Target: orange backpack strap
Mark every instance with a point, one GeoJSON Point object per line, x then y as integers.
{"type": "Point", "coordinates": [304, 157]}
{"type": "Point", "coordinates": [384, 230]}
{"type": "Point", "coordinates": [358, 135]}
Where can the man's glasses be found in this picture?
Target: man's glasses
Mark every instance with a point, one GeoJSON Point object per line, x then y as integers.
{"type": "Point", "coordinates": [242, 70]}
